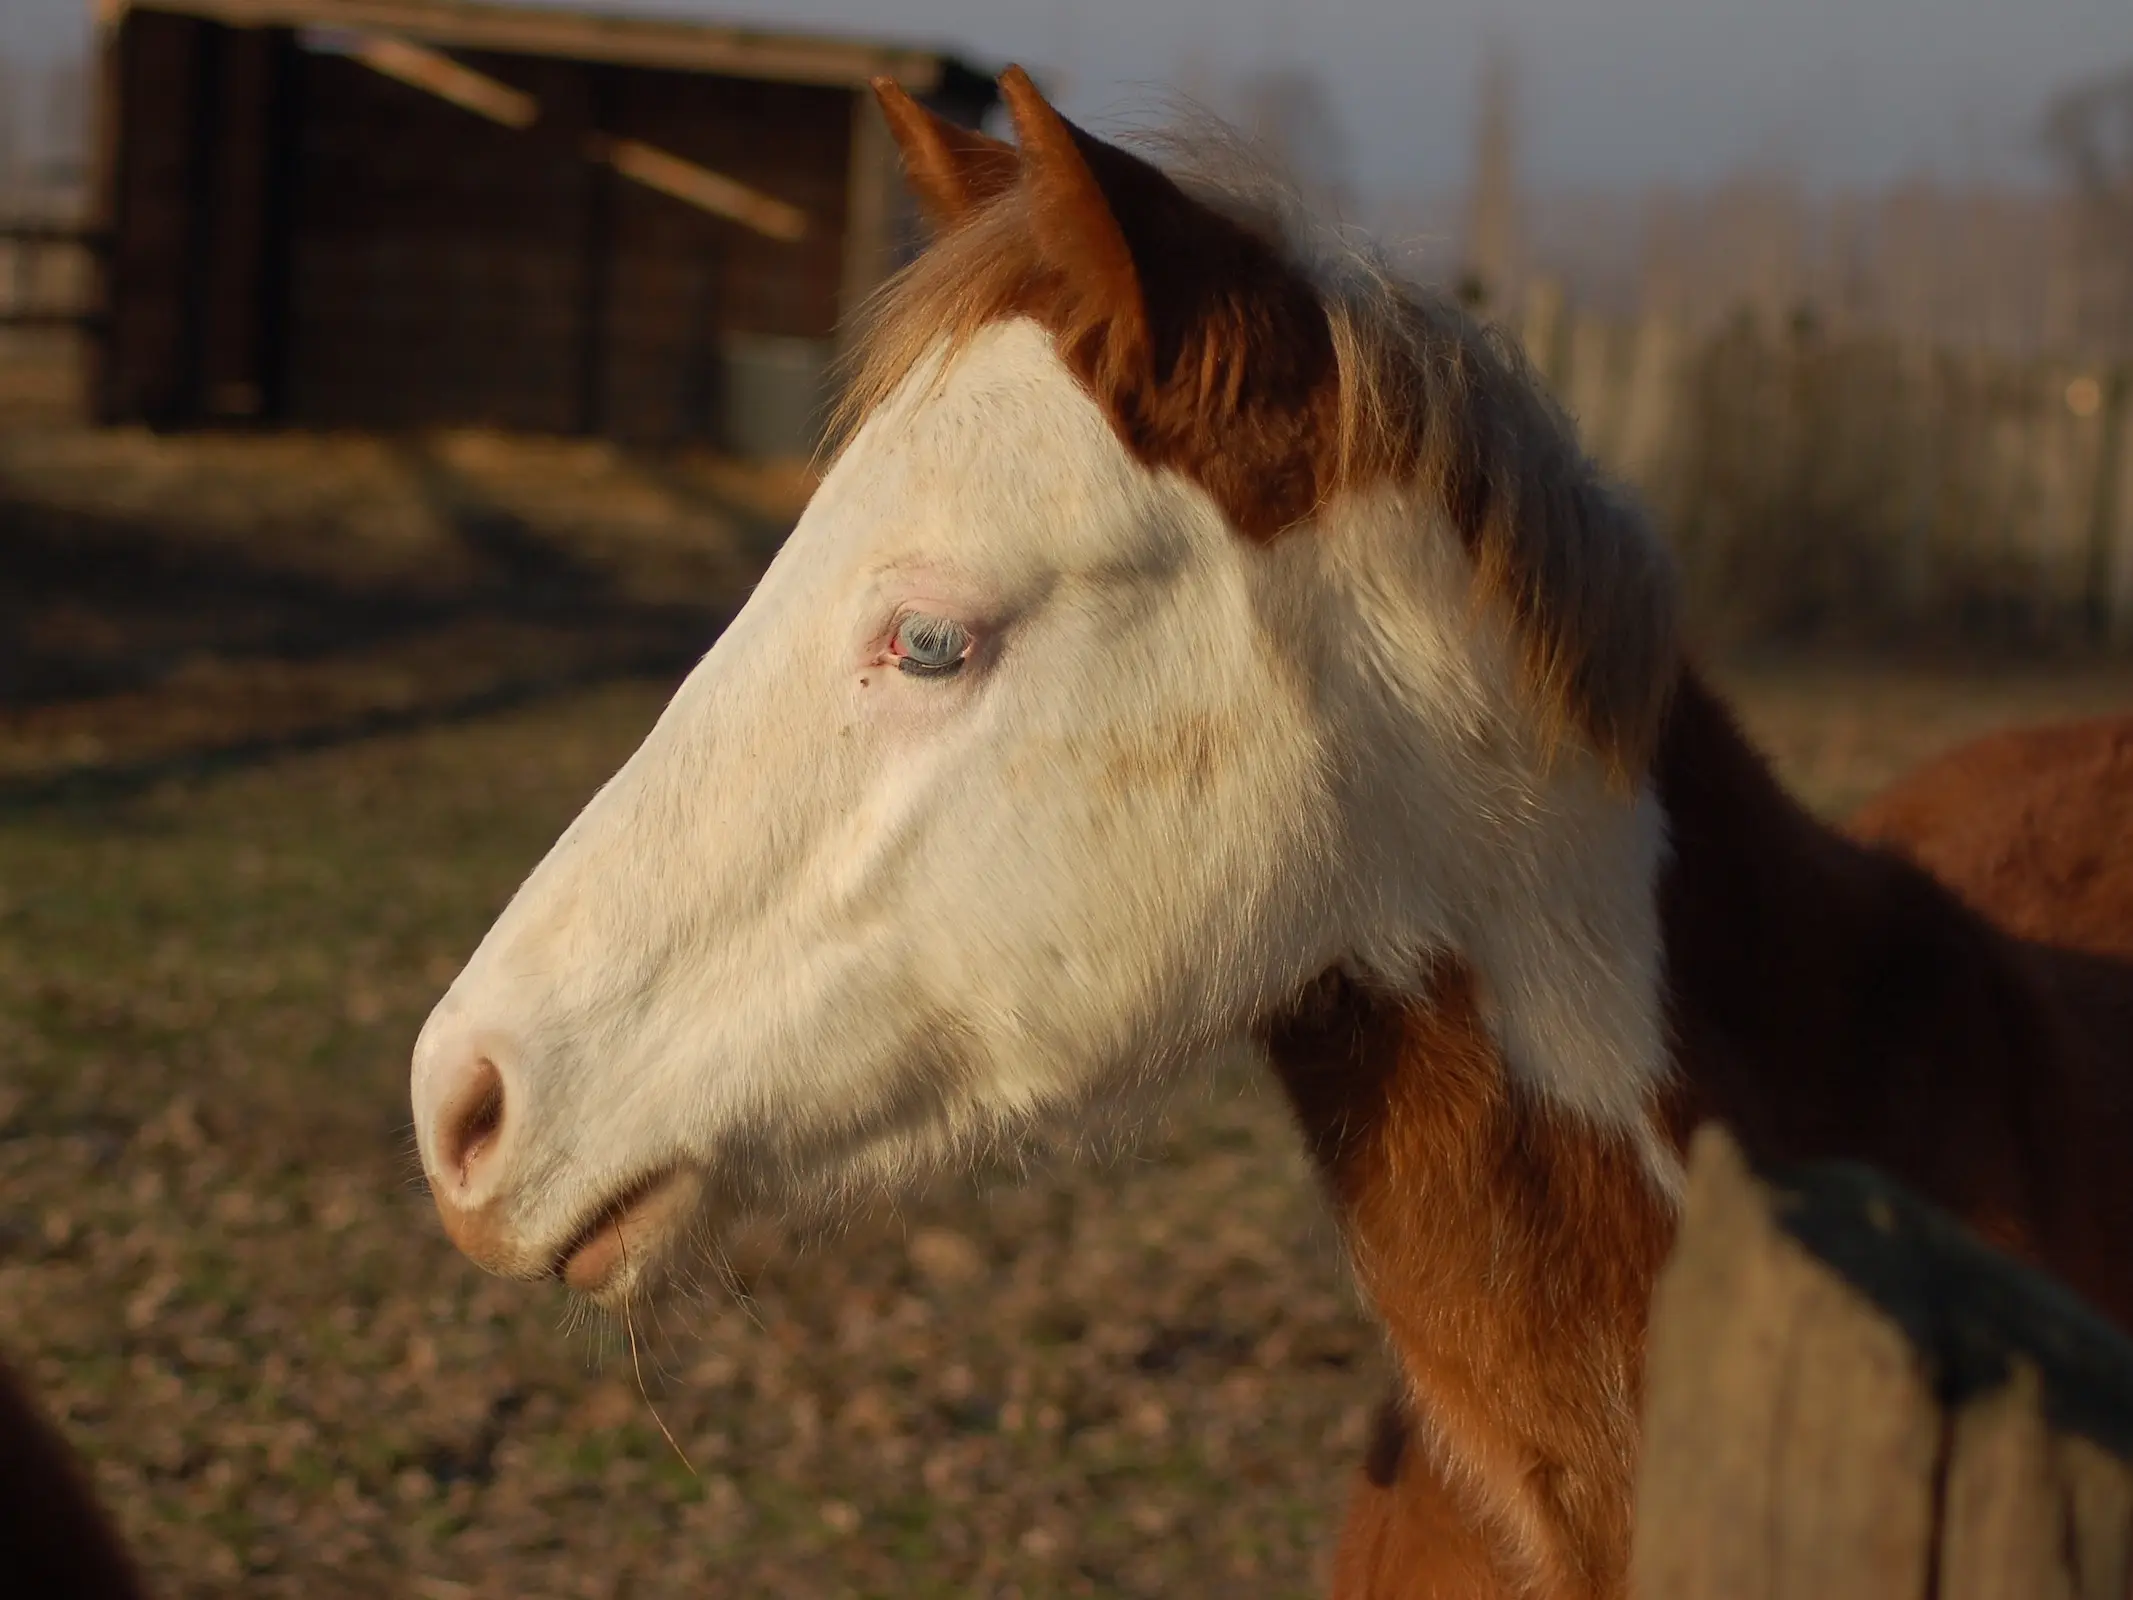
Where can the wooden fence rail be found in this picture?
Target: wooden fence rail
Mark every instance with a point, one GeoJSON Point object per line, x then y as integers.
{"type": "Point", "coordinates": [1814, 483]}
{"type": "Point", "coordinates": [1847, 1397]}
{"type": "Point", "coordinates": [47, 269]}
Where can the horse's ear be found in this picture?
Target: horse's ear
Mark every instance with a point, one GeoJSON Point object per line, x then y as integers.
{"type": "Point", "coordinates": [1210, 352]}
{"type": "Point", "coordinates": [1081, 191]}
{"type": "Point", "coordinates": [952, 169]}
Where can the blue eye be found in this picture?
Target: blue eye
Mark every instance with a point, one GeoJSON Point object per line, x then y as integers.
{"type": "Point", "coordinates": [930, 647]}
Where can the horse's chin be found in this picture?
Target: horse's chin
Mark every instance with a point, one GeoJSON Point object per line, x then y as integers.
{"type": "Point", "coordinates": [631, 1244]}
{"type": "Point", "coordinates": [625, 1246]}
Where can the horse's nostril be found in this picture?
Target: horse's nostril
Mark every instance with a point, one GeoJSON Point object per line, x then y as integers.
{"type": "Point", "coordinates": [470, 1120]}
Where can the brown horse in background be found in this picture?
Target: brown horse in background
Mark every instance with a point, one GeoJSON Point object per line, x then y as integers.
{"type": "Point", "coordinates": [2032, 826]}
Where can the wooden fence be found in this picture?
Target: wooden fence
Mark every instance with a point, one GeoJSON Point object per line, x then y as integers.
{"type": "Point", "coordinates": [1814, 485]}
{"type": "Point", "coordinates": [1817, 485]}
{"type": "Point", "coordinates": [48, 285]}
{"type": "Point", "coordinates": [1847, 1397]}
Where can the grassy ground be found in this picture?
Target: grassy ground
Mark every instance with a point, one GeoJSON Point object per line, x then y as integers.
{"type": "Point", "coordinates": [235, 870]}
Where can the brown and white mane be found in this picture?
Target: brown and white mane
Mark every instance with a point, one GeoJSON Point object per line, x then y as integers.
{"type": "Point", "coordinates": [1207, 644]}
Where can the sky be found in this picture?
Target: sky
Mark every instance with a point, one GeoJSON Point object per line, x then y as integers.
{"type": "Point", "coordinates": [1612, 92]}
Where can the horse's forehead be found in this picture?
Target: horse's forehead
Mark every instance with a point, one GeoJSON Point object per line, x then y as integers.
{"type": "Point", "coordinates": [996, 456]}
{"type": "Point", "coordinates": [1002, 415]}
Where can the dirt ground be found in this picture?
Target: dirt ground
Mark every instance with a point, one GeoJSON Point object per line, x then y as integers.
{"type": "Point", "coordinates": [281, 725]}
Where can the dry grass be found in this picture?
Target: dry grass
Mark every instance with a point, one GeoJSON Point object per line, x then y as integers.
{"type": "Point", "coordinates": [1145, 1377]}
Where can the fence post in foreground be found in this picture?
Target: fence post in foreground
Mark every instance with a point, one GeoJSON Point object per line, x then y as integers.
{"type": "Point", "coordinates": [1847, 1396]}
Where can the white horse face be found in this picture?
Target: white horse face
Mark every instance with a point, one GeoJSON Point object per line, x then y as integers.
{"type": "Point", "coordinates": [1004, 787]}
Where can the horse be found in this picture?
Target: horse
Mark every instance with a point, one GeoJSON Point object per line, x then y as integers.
{"type": "Point", "coordinates": [1205, 648]}
{"type": "Point", "coordinates": [2031, 826]}
{"type": "Point", "coordinates": [55, 1540]}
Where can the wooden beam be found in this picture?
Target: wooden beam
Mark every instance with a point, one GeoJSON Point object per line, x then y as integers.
{"type": "Point", "coordinates": [683, 46]}
{"type": "Point", "coordinates": [422, 68]}
{"type": "Point", "coordinates": [38, 231]}
{"type": "Point", "coordinates": [701, 187]}
{"type": "Point", "coordinates": [419, 67]}
{"type": "Point", "coordinates": [49, 317]}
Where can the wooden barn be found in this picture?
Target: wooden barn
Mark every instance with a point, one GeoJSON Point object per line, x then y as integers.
{"type": "Point", "coordinates": [398, 214]}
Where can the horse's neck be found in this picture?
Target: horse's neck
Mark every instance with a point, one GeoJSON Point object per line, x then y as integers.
{"type": "Point", "coordinates": [1833, 1002]}
{"type": "Point", "coordinates": [1509, 1251]}
{"type": "Point", "coordinates": [1510, 1245]}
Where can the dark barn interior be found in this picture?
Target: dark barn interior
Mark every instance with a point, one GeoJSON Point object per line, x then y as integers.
{"type": "Point", "coordinates": [397, 214]}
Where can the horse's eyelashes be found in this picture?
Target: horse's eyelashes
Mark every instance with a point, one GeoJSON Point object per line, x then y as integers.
{"type": "Point", "coordinates": [930, 647]}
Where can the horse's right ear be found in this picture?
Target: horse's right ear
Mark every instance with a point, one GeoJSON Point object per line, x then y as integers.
{"type": "Point", "coordinates": [953, 170]}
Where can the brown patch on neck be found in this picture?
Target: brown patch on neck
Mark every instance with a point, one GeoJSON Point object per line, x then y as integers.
{"type": "Point", "coordinates": [1509, 1250]}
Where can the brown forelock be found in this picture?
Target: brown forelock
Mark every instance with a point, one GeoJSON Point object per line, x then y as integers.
{"type": "Point", "coordinates": [2032, 827]}
{"type": "Point", "coordinates": [1509, 1250]}
{"type": "Point", "coordinates": [1214, 354]}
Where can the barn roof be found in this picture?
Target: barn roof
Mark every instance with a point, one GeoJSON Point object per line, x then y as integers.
{"type": "Point", "coordinates": [584, 36]}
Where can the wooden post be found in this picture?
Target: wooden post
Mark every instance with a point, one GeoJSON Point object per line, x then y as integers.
{"type": "Point", "coordinates": [2069, 458]}
{"type": "Point", "coordinates": [2114, 515]}
{"type": "Point", "coordinates": [870, 189]}
{"type": "Point", "coordinates": [106, 214]}
{"type": "Point", "coordinates": [278, 222]}
{"type": "Point", "coordinates": [187, 400]}
{"type": "Point", "coordinates": [1847, 1396]}
{"type": "Point", "coordinates": [1541, 329]}
{"type": "Point", "coordinates": [1926, 398]}
{"type": "Point", "coordinates": [1648, 439]}
{"type": "Point", "coordinates": [1592, 388]}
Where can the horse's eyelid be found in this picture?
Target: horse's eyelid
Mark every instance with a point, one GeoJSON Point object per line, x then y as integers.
{"type": "Point", "coordinates": [929, 632]}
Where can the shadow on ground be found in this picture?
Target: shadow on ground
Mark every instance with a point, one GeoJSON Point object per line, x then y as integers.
{"type": "Point", "coordinates": [142, 641]}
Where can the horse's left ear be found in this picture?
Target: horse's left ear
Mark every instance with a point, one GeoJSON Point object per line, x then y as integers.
{"type": "Point", "coordinates": [952, 169]}
{"type": "Point", "coordinates": [1211, 354]}
{"type": "Point", "coordinates": [1077, 186]}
